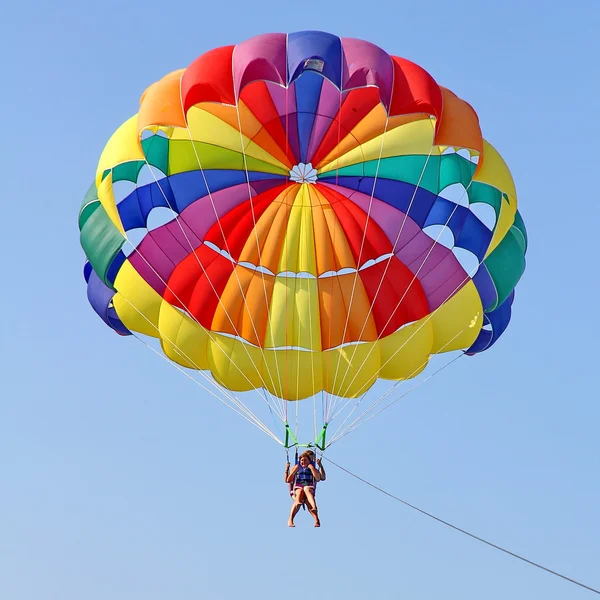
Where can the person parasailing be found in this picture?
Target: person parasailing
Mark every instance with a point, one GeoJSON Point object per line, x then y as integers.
{"type": "Point", "coordinates": [303, 478]}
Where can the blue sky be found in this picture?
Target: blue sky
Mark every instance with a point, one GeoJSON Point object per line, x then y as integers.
{"type": "Point", "coordinates": [122, 480]}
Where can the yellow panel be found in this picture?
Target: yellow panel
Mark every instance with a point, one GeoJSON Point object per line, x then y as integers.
{"type": "Point", "coordinates": [294, 314]}
{"type": "Point", "coordinates": [107, 199]}
{"type": "Point", "coordinates": [356, 365]}
{"type": "Point", "coordinates": [206, 127]}
{"type": "Point", "coordinates": [494, 171]}
{"type": "Point", "coordinates": [306, 249]}
{"type": "Point", "coordinates": [296, 374]}
{"type": "Point", "coordinates": [281, 317]}
{"type": "Point", "coordinates": [123, 146]}
{"type": "Point", "coordinates": [298, 251]}
{"type": "Point", "coordinates": [411, 138]}
{"type": "Point", "coordinates": [457, 323]}
{"type": "Point", "coordinates": [405, 354]}
{"type": "Point", "coordinates": [136, 303]}
{"type": "Point", "coordinates": [234, 364]}
{"type": "Point", "coordinates": [306, 306]}
{"type": "Point", "coordinates": [183, 340]}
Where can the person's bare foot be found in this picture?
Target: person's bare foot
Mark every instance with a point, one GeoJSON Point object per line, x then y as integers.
{"type": "Point", "coordinates": [315, 514]}
{"type": "Point", "coordinates": [291, 524]}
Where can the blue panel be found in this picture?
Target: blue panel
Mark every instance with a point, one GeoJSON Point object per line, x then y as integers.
{"type": "Point", "coordinates": [483, 339]}
{"type": "Point", "coordinates": [114, 267]}
{"type": "Point", "coordinates": [485, 287]}
{"type": "Point", "coordinates": [131, 212]}
{"type": "Point", "coordinates": [308, 92]}
{"type": "Point", "coordinates": [395, 193]}
{"type": "Point", "coordinates": [189, 186]}
{"type": "Point", "coordinates": [178, 191]}
{"type": "Point", "coordinates": [134, 209]}
{"type": "Point", "coordinates": [475, 236]}
{"type": "Point", "coordinates": [304, 45]}
{"type": "Point", "coordinates": [440, 215]}
{"type": "Point", "coordinates": [499, 320]}
{"type": "Point", "coordinates": [87, 270]}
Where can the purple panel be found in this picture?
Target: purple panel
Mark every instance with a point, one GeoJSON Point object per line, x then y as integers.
{"type": "Point", "coordinates": [165, 247]}
{"type": "Point", "coordinates": [329, 106]}
{"type": "Point", "coordinates": [368, 65]}
{"type": "Point", "coordinates": [100, 296]}
{"type": "Point", "coordinates": [390, 219]}
{"type": "Point", "coordinates": [152, 263]}
{"type": "Point", "coordinates": [284, 100]}
{"type": "Point", "coordinates": [429, 259]}
{"type": "Point", "coordinates": [443, 281]}
{"type": "Point", "coordinates": [204, 213]}
{"type": "Point", "coordinates": [437, 269]}
{"type": "Point", "coordinates": [261, 58]}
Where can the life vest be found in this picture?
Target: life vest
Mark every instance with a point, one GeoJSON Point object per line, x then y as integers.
{"type": "Point", "coordinates": [304, 477]}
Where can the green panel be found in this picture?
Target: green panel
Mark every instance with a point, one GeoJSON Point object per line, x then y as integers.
{"type": "Point", "coordinates": [127, 171]}
{"type": "Point", "coordinates": [441, 171]}
{"type": "Point", "coordinates": [521, 232]}
{"type": "Point", "coordinates": [486, 194]}
{"type": "Point", "coordinates": [100, 240]}
{"type": "Point", "coordinates": [506, 265]}
{"type": "Point", "coordinates": [87, 212]}
{"type": "Point", "coordinates": [182, 157]}
{"type": "Point", "coordinates": [88, 206]}
{"type": "Point", "coordinates": [454, 168]}
{"type": "Point", "coordinates": [156, 151]}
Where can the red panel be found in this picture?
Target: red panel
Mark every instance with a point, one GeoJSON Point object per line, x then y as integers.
{"type": "Point", "coordinates": [209, 79]}
{"type": "Point", "coordinates": [257, 98]}
{"type": "Point", "coordinates": [353, 220]}
{"type": "Point", "coordinates": [231, 232]}
{"type": "Point", "coordinates": [390, 309]}
{"type": "Point", "coordinates": [191, 282]}
{"type": "Point", "coordinates": [356, 106]}
{"type": "Point", "coordinates": [415, 90]}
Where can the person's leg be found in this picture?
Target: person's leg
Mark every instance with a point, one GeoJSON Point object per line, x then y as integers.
{"type": "Point", "coordinates": [312, 505]}
{"type": "Point", "coordinates": [298, 500]}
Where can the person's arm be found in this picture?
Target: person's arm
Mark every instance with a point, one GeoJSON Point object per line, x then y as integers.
{"type": "Point", "coordinates": [289, 475]}
{"type": "Point", "coordinates": [321, 470]}
{"type": "Point", "coordinates": [314, 472]}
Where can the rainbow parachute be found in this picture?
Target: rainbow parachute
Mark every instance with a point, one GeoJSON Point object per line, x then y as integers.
{"type": "Point", "coordinates": [303, 214]}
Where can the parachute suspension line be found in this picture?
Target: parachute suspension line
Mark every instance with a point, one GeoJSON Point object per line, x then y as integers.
{"type": "Point", "coordinates": [234, 270]}
{"type": "Point", "coordinates": [360, 253]}
{"type": "Point", "coordinates": [387, 118]}
{"type": "Point", "coordinates": [258, 250]}
{"type": "Point", "coordinates": [385, 394]}
{"type": "Point", "coordinates": [179, 219]}
{"type": "Point", "coordinates": [368, 414]}
{"type": "Point", "coordinates": [468, 533]}
{"type": "Point", "coordinates": [430, 316]}
{"type": "Point", "coordinates": [327, 398]}
{"type": "Point", "coordinates": [364, 418]}
{"type": "Point", "coordinates": [232, 398]}
{"type": "Point", "coordinates": [275, 423]}
{"type": "Point", "coordinates": [411, 282]}
{"type": "Point", "coordinates": [192, 317]}
{"type": "Point", "coordinates": [251, 419]}
{"type": "Point", "coordinates": [387, 265]}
